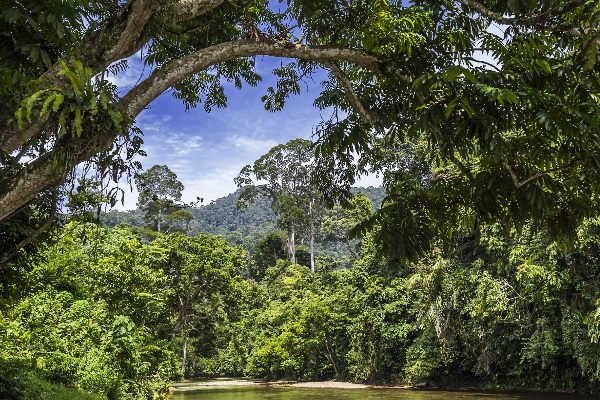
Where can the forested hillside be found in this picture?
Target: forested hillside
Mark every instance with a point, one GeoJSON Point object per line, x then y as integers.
{"type": "Point", "coordinates": [224, 217]}
{"type": "Point", "coordinates": [220, 217]}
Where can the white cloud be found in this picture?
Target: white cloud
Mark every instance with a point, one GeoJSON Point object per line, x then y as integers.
{"type": "Point", "coordinates": [251, 145]}
{"type": "Point", "coordinates": [375, 180]}
{"type": "Point", "coordinates": [211, 185]}
{"type": "Point", "coordinates": [181, 144]}
{"type": "Point", "coordinates": [153, 122]}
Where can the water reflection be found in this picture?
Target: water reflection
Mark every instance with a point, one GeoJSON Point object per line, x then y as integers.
{"type": "Point", "coordinates": [281, 393]}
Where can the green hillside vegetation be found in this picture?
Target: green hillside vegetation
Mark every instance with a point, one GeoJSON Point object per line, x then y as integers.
{"type": "Point", "coordinates": [246, 226]}
{"type": "Point", "coordinates": [103, 311]}
{"type": "Point", "coordinates": [122, 311]}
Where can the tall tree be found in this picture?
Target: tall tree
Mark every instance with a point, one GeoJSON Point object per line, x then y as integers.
{"type": "Point", "coordinates": [159, 193]}
{"type": "Point", "coordinates": [286, 171]}
{"type": "Point", "coordinates": [199, 270]}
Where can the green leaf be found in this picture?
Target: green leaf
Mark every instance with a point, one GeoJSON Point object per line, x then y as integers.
{"type": "Point", "coordinates": [545, 65]}
{"type": "Point", "coordinates": [78, 122]}
{"type": "Point", "coordinates": [31, 101]}
{"type": "Point", "coordinates": [104, 100]}
{"type": "Point", "coordinates": [19, 116]}
{"type": "Point", "coordinates": [60, 98]}
{"type": "Point", "coordinates": [467, 106]}
{"type": "Point", "coordinates": [46, 104]}
{"type": "Point", "coordinates": [510, 96]}
{"type": "Point", "coordinates": [450, 107]}
{"type": "Point", "coordinates": [46, 59]}
{"type": "Point", "coordinates": [62, 121]}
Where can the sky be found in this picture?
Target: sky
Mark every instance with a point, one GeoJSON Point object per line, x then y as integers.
{"type": "Point", "coordinates": [207, 150]}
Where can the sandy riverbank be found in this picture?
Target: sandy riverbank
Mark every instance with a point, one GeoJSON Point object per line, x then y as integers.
{"type": "Point", "coordinates": [227, 382]}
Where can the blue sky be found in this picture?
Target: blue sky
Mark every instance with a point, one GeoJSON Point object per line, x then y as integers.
{"type": "Point", "coordinates": [207, 150]}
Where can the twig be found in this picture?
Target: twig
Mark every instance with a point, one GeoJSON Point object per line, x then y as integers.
{"type": "Point", "coordinates": [518, 183]}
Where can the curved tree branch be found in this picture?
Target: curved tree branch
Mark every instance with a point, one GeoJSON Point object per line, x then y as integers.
{"type": "Point", "coordinates": [49, 170]}
{"type": "Point", "coordinates": [349, 90]}
{"type": "Point", "coordinates": [162, 79]}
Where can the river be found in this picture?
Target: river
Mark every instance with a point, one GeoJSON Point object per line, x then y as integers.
{"type": "Point", "coordinates": [291, 393]}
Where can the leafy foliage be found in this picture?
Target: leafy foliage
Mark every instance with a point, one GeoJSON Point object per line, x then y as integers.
{"type": "Point", "coordinates": [159, 194]}
{"type": "Point", "coordinates": [101, 311]}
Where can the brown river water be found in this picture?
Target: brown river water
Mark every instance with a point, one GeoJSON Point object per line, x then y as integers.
{"type": "Point", "coordinates": [293, 393]}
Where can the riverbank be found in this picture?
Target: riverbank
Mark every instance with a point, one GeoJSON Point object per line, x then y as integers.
{"type": "Point", "coordinates": [229, 382]}
{"type": "Point", "coordinates": [241, 382]}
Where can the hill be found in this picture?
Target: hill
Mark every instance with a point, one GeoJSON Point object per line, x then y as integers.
{"type": "Point", "coordinates": [223, 217]}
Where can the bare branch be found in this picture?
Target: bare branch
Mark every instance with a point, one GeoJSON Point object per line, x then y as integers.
{"type": "Point", "coordinates": [349, 90]}
{"type": "Point", "coordinates": [162, 79]}
{"type": "Point", "coordinates": [512, 174]}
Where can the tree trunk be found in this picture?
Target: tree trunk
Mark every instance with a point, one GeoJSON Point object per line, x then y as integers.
{"type": "Point", "coordinates": [291, 244]}
{"type": "Point", "coordinates": [331, 359]}
{"type": "Point", "coordinates": [184, 357]}
{"type": "Point", "coordinates": [158, 218]}
{"type": "Point", "coordinates": [311, 235]}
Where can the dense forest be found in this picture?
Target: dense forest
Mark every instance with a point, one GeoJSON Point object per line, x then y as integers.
{"type": "Point", "coordinates": [240, 226]}
{"type": "Point", "coordinates": [108, 313]}
{"type": "Point", "coordinates": [123, 310]}
{"type": "Point", "coordinates": [476, 264]}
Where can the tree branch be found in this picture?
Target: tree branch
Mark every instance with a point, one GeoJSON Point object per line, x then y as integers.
{"type": "Point", "coordinates": [518, 183]}
{"type": "Point", "coordinates": [49, 170]}
{"type": "Point", "coordinates": [13, 139]}
{"type": "Point", "coordinates": [349, 90]}
{"type": "Point", "coordinates": [162, 79]}
{"type": "Point", "coordinates": [187, 9]}
{"type": "Point", "coordinates": [130, 39]}
{"type": "Point", "coordinates": [538, 20]}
